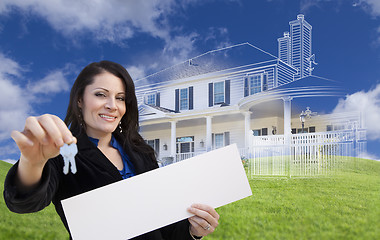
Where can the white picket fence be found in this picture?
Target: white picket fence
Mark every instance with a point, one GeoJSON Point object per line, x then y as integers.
{"type": "Point", "coordinates": [305, 154]}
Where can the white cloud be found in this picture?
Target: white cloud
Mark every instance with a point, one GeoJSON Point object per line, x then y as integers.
{"type": "Point", "coordinates": [372, 6]}
{"type": "Point", "coordinates": [305, 5]}
{"type": "Point", "coordinates": [9, 67]}
{"type": "Point", "coordinates": [180, 48]}
{"type": "Point", "coordinates": [14, 107]}
{"type": "Point", "coordinates": [16, 100]}
{"type": "Point", "coordinates": [8, 148]}
{"type": "Point", "coordinates": [117, 21]}
{"type": "Point", "coordinates": [177, 49]}
{"type": "Point", "coordinates": [136, 72]}
{"type": "Point", "coordinates": [369, 104]}
{"type": "Point", "coordinates": [54, 82]}
{"type": "Point", "coordinates": [220, 36]}
{"type": "Point", "coordinates": [112, 20]}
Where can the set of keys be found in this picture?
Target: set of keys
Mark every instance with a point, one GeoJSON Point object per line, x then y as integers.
{"type": "Point", "coordinates": [68, 153]}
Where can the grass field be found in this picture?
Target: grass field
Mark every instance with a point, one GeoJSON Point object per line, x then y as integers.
{"type": "Point", "coordinates": [345, 205]}
{"type": "Point", "coordinates": [42, 225]}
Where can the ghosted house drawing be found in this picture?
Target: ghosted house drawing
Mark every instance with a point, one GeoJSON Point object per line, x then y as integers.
{"type": "Point", "coordinates": [228, 95]}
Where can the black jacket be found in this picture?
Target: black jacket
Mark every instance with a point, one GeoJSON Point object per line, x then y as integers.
{"type": "Point", "coordinates": [94, 170]}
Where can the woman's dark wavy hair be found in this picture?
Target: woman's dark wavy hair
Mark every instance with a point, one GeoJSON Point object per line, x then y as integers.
{"type": "Point", "coordinates": [129, 137]}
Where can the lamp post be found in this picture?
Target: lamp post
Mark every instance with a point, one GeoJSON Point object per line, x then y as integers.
{"type": "Point", "coordinates": [302, 119]}
{"type": "Point", "coordinates": [306, 114]}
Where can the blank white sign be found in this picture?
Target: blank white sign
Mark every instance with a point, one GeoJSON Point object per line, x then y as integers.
{"type": "Point", "coordinates": [149, 201]}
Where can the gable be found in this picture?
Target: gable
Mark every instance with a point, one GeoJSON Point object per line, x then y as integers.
{"type": "Point", "coordinates": [152, 112]}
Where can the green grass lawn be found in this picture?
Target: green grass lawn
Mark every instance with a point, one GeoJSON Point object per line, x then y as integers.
{"type": "Point", "coordinates": [345, 205]}
{"type": "Point", "coordinates": [42, 225]}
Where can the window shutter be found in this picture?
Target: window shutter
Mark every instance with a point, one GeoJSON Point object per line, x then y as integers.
{"type": "Point", "coordinates": [246, 88]}
{"type": "Point", "coordinates": [157, 146]}
{"type": "Point", "coordinates": [177, 100]}
{"type": "Point", "coordinates": [265, 82]}
{"type": "Point", "coordinates": [227, 91]}
{"type": "Point", "coordinates": [158, 99]}
{"type": "Point", "coordinates": [212, 140]}
{"type": "Point", "coordinates": [210, 94]}
{"type": "Point", "coordinates": [191, 98]}
{"type": "Point", "coordinates": [226, 138]}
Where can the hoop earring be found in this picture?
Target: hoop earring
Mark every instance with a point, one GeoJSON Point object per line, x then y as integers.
{"type": "Point", "coordinates": [120, 128]}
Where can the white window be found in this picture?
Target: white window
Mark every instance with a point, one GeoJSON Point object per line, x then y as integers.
{"type": "Point", "coordinates": [184, 99]}
{"type": "Point", "coordinates": [260, 132]}
{"type": "Point", "coordinates": [219, 92]}
{"type": "Point", "coordinates": [219, 140]}
{"type": "Point", "coordinates": [185, 144]}
{"type": "Point", "coordinates": [150, 99]}
{"type": "Point", "coordinates": [256, 132]}
{"type": "Point", "coordinates": [151, 143]}
{"type": "Point", "coordinates": [254, 84]}
{"type": "Point", "coordinates": [155, 144]}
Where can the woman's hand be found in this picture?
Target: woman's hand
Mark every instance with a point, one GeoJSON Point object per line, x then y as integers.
{"type": "Point", "coordinates": [41, 139]}
{"type": "Point", "coordinates": [205, 220]}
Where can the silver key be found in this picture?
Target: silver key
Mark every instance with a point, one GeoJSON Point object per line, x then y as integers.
{"type": "Point", "coordinates": [68, 153]}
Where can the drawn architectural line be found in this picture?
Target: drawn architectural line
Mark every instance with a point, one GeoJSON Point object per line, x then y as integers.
{"type": "Point", "coordinates": [237, 93]}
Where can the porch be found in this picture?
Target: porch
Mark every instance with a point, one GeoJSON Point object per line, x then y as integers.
{"type": "Point", "coordinates": [304, 154]}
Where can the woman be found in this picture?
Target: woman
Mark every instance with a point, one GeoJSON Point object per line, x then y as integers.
{"type": "Point", "coordinates": [103, 119]}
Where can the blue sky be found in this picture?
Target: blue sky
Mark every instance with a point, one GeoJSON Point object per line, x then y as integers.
{"type": "Point", "coordinates": [44, 45]}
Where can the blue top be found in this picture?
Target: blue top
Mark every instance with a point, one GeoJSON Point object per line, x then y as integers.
{"type": "Point", "coordinates": [128, 169]}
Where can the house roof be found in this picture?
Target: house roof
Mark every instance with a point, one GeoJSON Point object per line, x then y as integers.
{"type": "Point", "coordinates": [311, 86]}
{"type": "Point", "coordinates": [162, 109]}
{"type": "Point", "coordinates": [147, 111]}
{"type": "Point", "coordinates": [311, 81]}
{"type": "Point", "coordinates": [213, 61]}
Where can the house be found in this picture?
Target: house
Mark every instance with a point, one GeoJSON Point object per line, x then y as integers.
{"type": "Point", "coordinates": [228, 95]}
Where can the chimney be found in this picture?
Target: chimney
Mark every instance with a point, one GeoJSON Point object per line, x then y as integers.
{"type": "Point", "coordinates": [300, 17]}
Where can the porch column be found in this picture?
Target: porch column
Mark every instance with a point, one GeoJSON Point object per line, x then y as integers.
{"type": "Point", "coordinates": [208, 133]}
{"type": "Point", "coordinates": [287, 115]}
{"type": "Point", "coordinates": [173, 139]}
{"type": "Point", "coordinates": [247, 128]}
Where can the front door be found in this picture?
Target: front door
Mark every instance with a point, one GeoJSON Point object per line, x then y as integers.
{"type": "Point", "coordinates": [185, 147]}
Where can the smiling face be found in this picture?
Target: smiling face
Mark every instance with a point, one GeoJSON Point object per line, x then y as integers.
{"type": "Point", "coordinates": [103, 105]}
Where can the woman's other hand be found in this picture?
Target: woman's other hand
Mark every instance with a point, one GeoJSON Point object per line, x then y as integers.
{"type": "Point", "coordinates": [204, 221]}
